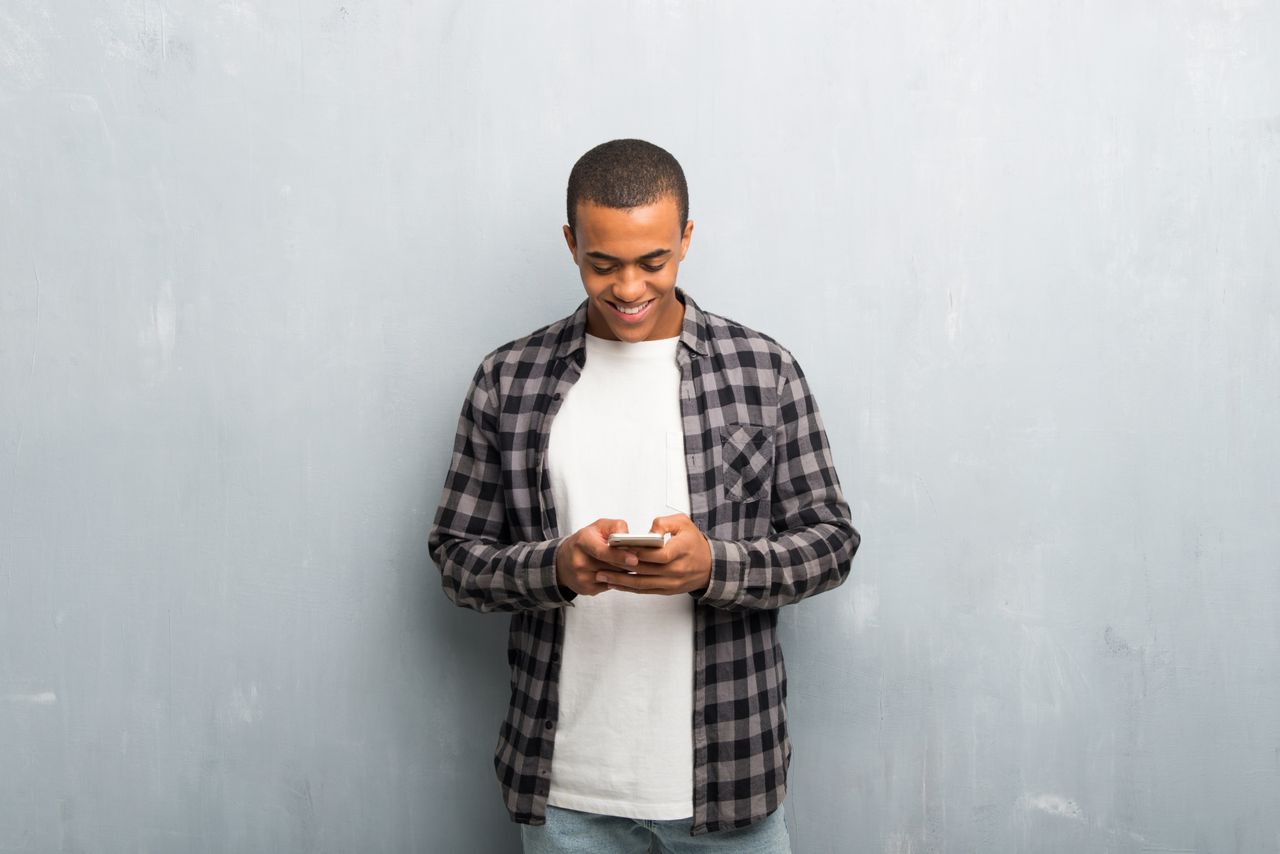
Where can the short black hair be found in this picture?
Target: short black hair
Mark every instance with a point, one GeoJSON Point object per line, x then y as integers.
{"type": "Point", "coordinates": [626, 173]}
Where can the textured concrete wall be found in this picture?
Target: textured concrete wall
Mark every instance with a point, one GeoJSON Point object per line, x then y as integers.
{"type": "Point", "coordinates": [1027, 254]}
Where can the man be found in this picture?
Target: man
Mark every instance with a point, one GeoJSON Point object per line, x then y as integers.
{"type": "Point", "coordinates": [648, 689]}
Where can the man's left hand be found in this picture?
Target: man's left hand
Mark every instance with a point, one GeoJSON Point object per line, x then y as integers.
{"type": "Point", "coordinates": [682, 565]}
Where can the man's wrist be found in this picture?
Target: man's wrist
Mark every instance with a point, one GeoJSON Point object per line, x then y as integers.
{"type": "Point", "coordinates": [704, 581]}
{"type": "Point", "coordinates": [543, 576]}
{"type": "Point", "coordinates": [567, 593]}
{"type": "Point", "coordinates": [728, 572]}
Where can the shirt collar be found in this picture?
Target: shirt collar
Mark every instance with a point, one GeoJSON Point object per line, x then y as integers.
{"type": "Point", "coordinates": [693, 330]}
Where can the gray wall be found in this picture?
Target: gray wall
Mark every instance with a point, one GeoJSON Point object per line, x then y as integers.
{"type": "Point", "coordinates": [1027, 253]}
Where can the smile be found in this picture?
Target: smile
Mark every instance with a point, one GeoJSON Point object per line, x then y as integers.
{"type": "Point", "coordinates": [632, 313]}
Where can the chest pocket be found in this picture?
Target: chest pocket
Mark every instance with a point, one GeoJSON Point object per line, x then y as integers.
{"type": "Point", "coordinates": [746, 461]}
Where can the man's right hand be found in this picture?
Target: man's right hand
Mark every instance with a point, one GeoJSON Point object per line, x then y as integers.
{"type": "Point", "coordinates": [587, 551]}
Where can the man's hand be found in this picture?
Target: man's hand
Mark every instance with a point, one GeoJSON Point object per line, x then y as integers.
{"type": "Point", "coordinates": [585, 552]}
{"type": "Point", "coordinates": [682, 565]}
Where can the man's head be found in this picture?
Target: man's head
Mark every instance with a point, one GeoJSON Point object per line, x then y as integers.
{"type": "Point", "coordinates": [628, 231]}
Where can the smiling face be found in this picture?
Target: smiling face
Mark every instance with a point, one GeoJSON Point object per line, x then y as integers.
{"type": "Point", "coordinates": [628, 259]}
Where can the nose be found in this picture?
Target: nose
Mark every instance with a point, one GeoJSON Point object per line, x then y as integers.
{"type": "Point", "coordinates": [630, 286]}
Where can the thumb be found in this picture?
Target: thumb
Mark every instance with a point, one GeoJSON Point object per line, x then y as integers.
{"type": "Point", "coordinates": [672, 523]}
{"type": "Point", "coordinates": [613, 526]}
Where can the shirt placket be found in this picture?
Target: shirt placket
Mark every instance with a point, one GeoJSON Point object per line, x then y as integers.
{"type": "Point", "coordinates": [693, 421]}
{"type": "Point", "coordinates": [561, 380]}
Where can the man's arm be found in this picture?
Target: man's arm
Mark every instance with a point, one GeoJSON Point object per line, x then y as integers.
{"type": "Point", "coordinates": [814, 541]}
{"type": "Point", "coordinates": [469, 539]}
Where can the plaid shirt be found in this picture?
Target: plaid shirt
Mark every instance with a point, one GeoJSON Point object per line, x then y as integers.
{"type": "Point", "coordinates": [762, 488]}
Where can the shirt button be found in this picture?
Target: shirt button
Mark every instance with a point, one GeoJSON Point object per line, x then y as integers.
{"type": "Point", "coordinates": [548, 725]}
{"type": "Point", "coordinates": [555, 656]}
{"type": "Point", "coordinates": [555, 396]}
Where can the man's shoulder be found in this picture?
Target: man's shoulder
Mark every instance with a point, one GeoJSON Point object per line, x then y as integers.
{"type": "Point", "coordinates": [726, 329]}
{"type": "Point", "coordinates": [735, 342]}
{"type": "Point", "coordinates": [531, 349]}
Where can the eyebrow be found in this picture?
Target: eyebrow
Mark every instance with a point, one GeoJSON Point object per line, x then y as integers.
{"type": "Point", "coordinates": [645, 257]}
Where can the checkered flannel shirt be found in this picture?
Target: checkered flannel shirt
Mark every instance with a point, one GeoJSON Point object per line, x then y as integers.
{"type": "Point", "coordinates": [762, 488]}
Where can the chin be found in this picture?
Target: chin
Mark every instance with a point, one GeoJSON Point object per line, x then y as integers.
{"type": "Point", "coordinates": [631, 332]}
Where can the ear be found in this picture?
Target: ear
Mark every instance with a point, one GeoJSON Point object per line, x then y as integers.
{"type": "Point", "coordinates": [573, 247]}
{"type": "Point", "coordinates": [684, 239]}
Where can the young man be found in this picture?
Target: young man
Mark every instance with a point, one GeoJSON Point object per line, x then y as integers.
{"type": "Point", "coordinates": [648, 692]}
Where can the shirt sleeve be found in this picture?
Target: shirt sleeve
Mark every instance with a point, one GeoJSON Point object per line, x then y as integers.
{"type": "Point", "coordinates": [813, 541]}
{"type": "Point", "coordinates": [470, 539]}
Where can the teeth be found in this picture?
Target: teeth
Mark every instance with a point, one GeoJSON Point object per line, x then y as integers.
{"type": "Point", "coordinates": [635, 310]}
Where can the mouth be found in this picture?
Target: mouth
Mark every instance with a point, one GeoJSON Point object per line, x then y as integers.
{"type": "Point", "coordinates": [632, 313]}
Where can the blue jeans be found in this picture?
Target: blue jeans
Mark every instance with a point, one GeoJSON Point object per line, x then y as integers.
{"type": "Point", "coordinates": [570, 831]}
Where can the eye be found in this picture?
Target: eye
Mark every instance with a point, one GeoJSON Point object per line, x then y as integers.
{"type": "Point", "coordinates": [601, 270]}
{"type": "Point", "coordinates": [654, 268]}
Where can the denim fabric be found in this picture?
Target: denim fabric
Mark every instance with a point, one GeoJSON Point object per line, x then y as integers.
{"type": "Point", "coordinates": [573, 832]}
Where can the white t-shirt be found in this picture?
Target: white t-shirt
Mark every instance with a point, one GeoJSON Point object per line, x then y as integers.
{"type": "Point", "coordinates": [624, 737]}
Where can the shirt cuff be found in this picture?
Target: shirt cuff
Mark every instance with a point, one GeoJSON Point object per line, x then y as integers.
{"type": "Point", "coordinates": [729, 562]}
{"type": "Point", "coordinates": [542, 574]}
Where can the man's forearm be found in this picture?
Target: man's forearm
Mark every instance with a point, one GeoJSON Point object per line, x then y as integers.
{"type": "Point", "coordinates": [781, 569]}
{"type": "Point", "coordinates": [487, 576]}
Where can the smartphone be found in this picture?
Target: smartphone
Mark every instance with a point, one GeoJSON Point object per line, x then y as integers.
{"type": "Point", "coordinates": [640, 541]}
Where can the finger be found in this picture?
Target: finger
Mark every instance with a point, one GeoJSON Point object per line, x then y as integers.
{"type": "Point", "coordinates": [640, 567]}
{"type": "Point", "coordinates": [601, 550]}
{"type": "Point", "coordinates": [605, 527]}
{"type": "Point", "coordinates": [641, 591]}
{"type": "Point", "coordinates": [587, 566]}
{"type": "Point", "coordinates": [611, 571]}
{"type": "Point", "coordinates": [666, 554]}
{"type": "Point", "coordinates": [597, 533]}
{"type": "Point", "coordinates": [672, 522]}
{"type": "Point", "coordinates": [587, 579]}
{"type": "Point", "coordinates": [638, 583]}
{"type": "Point", "coordinates": [618, 558]}
{"type": "Point", "coordinates": [610, 556]}
{"type": "Point", "coordinates": [594, 565]}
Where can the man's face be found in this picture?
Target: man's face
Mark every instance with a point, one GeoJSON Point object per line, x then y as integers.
{"type": "Point", "coordinates": [628, 258]}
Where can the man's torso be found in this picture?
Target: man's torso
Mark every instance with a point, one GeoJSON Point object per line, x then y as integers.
{"type": "Point", "coordinates": [624, 741]}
